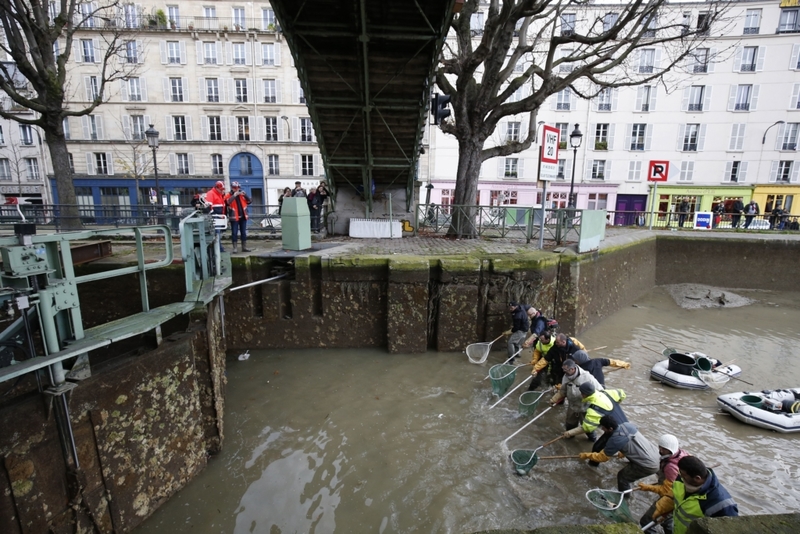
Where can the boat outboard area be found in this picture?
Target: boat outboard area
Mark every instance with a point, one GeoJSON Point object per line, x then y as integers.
{"type": "Point", "coordinates": [777, 410]}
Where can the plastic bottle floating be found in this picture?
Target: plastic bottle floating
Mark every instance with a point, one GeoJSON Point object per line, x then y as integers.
{"type": "Point", "coordinates": [244, 356]}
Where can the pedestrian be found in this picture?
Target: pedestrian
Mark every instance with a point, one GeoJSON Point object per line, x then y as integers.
{"type": "Point", "coordinates": [777, 217]}
{"type": "Point", "coordinates": [697, 493]}
{"type": "Point", "coordinates": [598, 402]}
{"type": "Point", "coordinates": [237, 202]}
{"type": "Point", "coordinates": [541, 347]}
{"type": "Point", "coordinates": [719, 211]}
{"type": "Point", "coordinates": [315, 208]}
{"type": "Point", "coordinates": [216, 198]}
{"type": "Point", "coordinates": [563, 348]}
{"type": "Point", "coordinates": [736, 212]}
{"type": "Point", "coordinates": [519, 327]}
{"type": "Point", "coordinates": [574, 376]}
{"type": "Point", "coordinates": [683, 211]}
{"type": "Point", "coordinates": [750, 211]}
{"type": "Point", "coordinates": [287, 192]}
{"type": "Point", "coordinates": [625, 438]}
{"type": "Point", "coordinates": [595, 365]}
{"type": "Point", "coordinates": [670, 453]}
{"type": "Point", "coordinates": [298, 190]}
{"type": "Point", "coordinates": [197, 202]}
{"type": "Point", "coordinates": [538, 323]}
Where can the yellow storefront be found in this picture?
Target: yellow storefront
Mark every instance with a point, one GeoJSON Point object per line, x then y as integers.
{"type": "Point", "coordinates": [769, 195]}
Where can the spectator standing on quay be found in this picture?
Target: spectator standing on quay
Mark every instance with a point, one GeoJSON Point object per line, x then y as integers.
{"type": "Point", "coordinates": [287, 192]}
{"type": "Point", "coordinates": [736, 210]}
{"type": "Point", "coordinates": [216, 198]}
{"type": "Point", "coordinates": [237, 202]}
{"type": "Point", "coordinates": [750, 211]}
{"type": "Point", "coordinates": [683, 211]}
{"type": "Point", "coordinates": [719, 211]}
{"type": "Point", "coordinates": [315, 203]}
{"type": "Point", "coordinates": [298, 190]}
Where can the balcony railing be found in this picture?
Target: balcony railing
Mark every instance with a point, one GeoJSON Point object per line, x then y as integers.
{"type": "Point", "coordinates": [695, 107]}
{"type": "Point", "coordinates": [150, 22]}
{"type": "Point", "coordinates": [562, 106]}
{"type": "Point", "coordinates": [700, 68]}
{"type": "Point", "coordinates": [742, 107]}
{"type": "Point", "coordinates": [749, 68]}
{"type": "Point", "coordinates": [751, 31]}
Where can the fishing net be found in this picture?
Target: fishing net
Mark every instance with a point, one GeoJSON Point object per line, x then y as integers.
{"type": "Point", "coordinates": [524, 460]}
{"type": "Point", "coordinates": [669, 350]}
{"type": "Point", "coordinates": [611, 504]}
{"type": "Point", "coordinates": [529, 400]}
{"type": "Point", "coordinates": [502, 376]}
{"type": "Point", "coordinates": [478, 352]}
{"type": "Point", "coordinates": [713, 380]}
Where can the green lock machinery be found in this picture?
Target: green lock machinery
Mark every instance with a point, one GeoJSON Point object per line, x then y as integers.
{"type": "Point", "coordinates": [39, 296]}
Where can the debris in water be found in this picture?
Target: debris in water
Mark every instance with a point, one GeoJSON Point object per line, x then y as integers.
{"type": "Point", "coordinates": [244, 356]}
{"type": "Point", "coordinates": [441, 415]}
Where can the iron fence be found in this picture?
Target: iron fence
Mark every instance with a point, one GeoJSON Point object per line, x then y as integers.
{"type": "Point", "coordinates": [673, 220]}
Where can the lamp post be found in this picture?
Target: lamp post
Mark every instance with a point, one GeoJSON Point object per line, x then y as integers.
{"type": "Point", "coordinates": [152, 140]}
{"type": "Point", "coordinates": [575, 139]}
{"type": "Point", "coordinates": [761, 152]}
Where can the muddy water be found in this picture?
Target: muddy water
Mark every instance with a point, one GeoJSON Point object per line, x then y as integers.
{"type": "Point", "coordinates": [362, 441]}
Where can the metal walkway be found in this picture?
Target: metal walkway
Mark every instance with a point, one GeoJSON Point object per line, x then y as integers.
{"type": "Point", "coordinates": [366, 69]}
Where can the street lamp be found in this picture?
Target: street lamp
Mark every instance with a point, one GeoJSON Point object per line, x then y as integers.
{"type": "Point", "coordinates": [575, 139]}
{"type": "Point", "coordinates": [152, 140]}
{"type": "Point", "coordinates": [761, 152]}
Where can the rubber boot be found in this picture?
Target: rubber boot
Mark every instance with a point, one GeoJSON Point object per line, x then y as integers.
{"type": "Point", "coordinates": [244, 247]}
{"type": "Point", "coordinates": [234, 248]}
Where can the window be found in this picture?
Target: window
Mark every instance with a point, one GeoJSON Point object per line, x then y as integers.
{"type": "Point", "coordinates": [176, 89]}
{"type": "Point", "coordinates": [32, 166]}
{"type": "Point", "coordinates": [749, 55]}
{"type": "Point", "coordinates": [214, 129]}
{"type": "Point", "coordinates": [2, 137]}
{"type": "Point", "coordinates": [272, 165]}
{"type": "Point", "coordinates": [643, 98]}
{"type": "Point", "coordinates": [87, 19]}
{"type": "Point", "coordinates": [737, 137]}
{"type": "Point", "coordinates": [212, 90]}
{"type": "Point", "coordinates": [210, 15]}
{"type": "Point", "coordinates": [512, 131]}
{"type": "Point", "coordinates": [210, 53]}
{"type": "Point", "coordinates": [134, 90]}
{"type": "Point", "coordinates": [789, 141]}
{"type": "Point", "coordinates": [598, 170]}
{"type": "Point", "coordinates": [71, 163]}
{"type": "Point", "coordinates": [238, 18]}
{"type": "Point", "coordinates": [182, 163]}
{"type": "Point", "coordinates": [511, 166]}
{"type": "Point", "coordinates": [690, 137]}
{"type": "Point", "coordinates": [609, 20]}
{"type": "Point", "coordinates": [92, 88]}
{"type": "Point", "coordinates": [267, 19]}
{"type": "Point", "coordinates": [270, 93]}
{"type": "Point", "coordinates": [65, 127]}
{"type": "Point", "coordinates": [174, 16]}
{"type": "Point", "coordinates": [306, 130]}
{"type": "Point", "coordinates": [788, 21]}
{"type": "Point", "coordinates": [179, 125]}
{"type": "Point", "coordinates": [562, 134]}
{"type": "Point", "coordinates": [634, 171]}
{"type": "Point", "coordinates": [243, 128]}
{"type": "Point", "coordinates": [87, 47]}
{"type": "Point", "coordinates": [566, 66]}
{"type": "Point", "coordinates": [272, 128]}
{"type": "Point", "coordinates": [562, 169]}
{"type": "Point", "coordinates": [703, 23]}
{"type": "Point", "coordinates": [476, 24]}
{"type": "Point", "coordinates": [94, 133]}
{"type": "Point", "coordinates": [700, 60]}
{"type": "Point", "coordinates": [687, 22]}
{"type": "Point", "coordinates": [687, 171]}
{"type": "Point", "coordinates": [733, 174]}
{"type": "Point", "coordinates": [245, 165]}
{"type": "Point", "coordinates": [238, 54]}
{"type": "Point", "coordinates": [240, 85]}
{"type": "Point", "coordinates": [100, 163]}
{"type": "Point", "coordinates": [173, 52]}
{"type": "Point", "coordinates": [130, 15]}
{"type": "Point", "coordinates": [696, 98]}
{"type": "Point", "coordinates": [137, 127]}
{"type": "Point", "coordinates": [301, 96]}
{"type": "Point", "coordinates": [743, 93]}
{"type": "Point", "coordinates": [216, 164]}
{"type": "Point", "coordinates": [604, 100]}
{"type": "Point", "coordinates": [131, 52]}
{"type": "Point", "coordinates": [25, 134]}
{"type": "Point", "coordinates": [638, 136]}
{"type": "Point", "coordinates": [268, 54]}
{"type": "Point", "coordinates": [598, 201]}
{"type": "Point", "coordinates": [646, 60]}
{"type": "Point", "coordinates": [601, 137]}
{"type": "Point", "coordinates": [307, 165]}
{"type": "Point", "coordinates": [567, 24]}
{"type": "Point", "coordinates": [752, 22]}
{"type": "Point", "coordinates": [784, 171]}
{"type": "Point", "coordinates": [563, 102]}
{"type": "Point", "coordinates": [652, 23]}
{"type": "Point", "coordinates": [5, 169]}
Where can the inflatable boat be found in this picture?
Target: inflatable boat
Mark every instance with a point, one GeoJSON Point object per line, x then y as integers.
{"type": "Point", "coordinates": [777, 410]}
{"type": "Point", "coordinates": [681, 370]}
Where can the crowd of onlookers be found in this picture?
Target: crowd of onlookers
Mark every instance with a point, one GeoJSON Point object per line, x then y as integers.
{"type": "Point", "coordinates": [318, 201]}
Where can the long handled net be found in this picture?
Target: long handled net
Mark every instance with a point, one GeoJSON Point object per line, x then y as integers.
{"type": "Point", "coordinates": [611, 504]}
{"type": "Point", "coordinates": [529, 400]}
{"type": "Point", "coordinates": [713, 380]}
{"type": "Point", "coordinates": [502, 376]}
{"type": "Point", "coordinates": [478, 352]}
{"type": "Point", "coordinates": [524, 460]}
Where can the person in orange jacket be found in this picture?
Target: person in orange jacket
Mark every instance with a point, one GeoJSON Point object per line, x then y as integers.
{"type": "Point", "coordinates": [216, 198]}
{"type": "Point", "coordinates": [237, 202]}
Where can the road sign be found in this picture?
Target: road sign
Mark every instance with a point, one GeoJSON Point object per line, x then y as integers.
{"type": "Point", "coordinates": [548, 167]}
{"type": "Point", "coordinates": [702, 220]}
{"type": "Point", "coordinates": [658, 171]}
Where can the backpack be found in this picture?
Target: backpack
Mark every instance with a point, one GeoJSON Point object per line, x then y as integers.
{"type": "Point", "coordinates": [551, 325]}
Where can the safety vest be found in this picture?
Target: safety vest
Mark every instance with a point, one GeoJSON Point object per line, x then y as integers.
{"type": "Point", "coordinates": [238, 206]}
{"type": "Point", "coordinates": [602, 403]}
{"type": "Point", "coordinates": [687, 509]}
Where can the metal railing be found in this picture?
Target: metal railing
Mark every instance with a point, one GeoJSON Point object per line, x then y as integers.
{"type": "Point", "coordinates": [146, 21]}
{"type": "Point", "coordinates": [726, 221]}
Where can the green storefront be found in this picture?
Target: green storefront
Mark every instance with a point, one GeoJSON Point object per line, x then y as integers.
{"type": "Point", "coordinates": [701, 198]}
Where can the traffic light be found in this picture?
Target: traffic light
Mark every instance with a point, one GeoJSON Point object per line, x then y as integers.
{"type": "Point", "coordinates": [439, 109]}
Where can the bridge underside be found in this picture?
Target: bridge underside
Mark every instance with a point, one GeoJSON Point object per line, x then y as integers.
{"type": "Point", "coordinates": [366, 68]}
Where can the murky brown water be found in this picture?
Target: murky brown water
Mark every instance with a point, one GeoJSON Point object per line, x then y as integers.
{"type": "Point", "coordinates": [361, 441]}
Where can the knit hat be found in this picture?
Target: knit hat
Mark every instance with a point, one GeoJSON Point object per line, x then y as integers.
{"type": "Point", "coordinates": [669, 442]}
{"type": "Point", "coordinates": [608, 421]}
{"type": "Point", "coordinates": [569, 364]}
{"type": "Point", "coordinates": [512, 304]}
{"type": "Point", "coordinates": [587, 388]}
{"type": "Point", "coordinates": [580, 357]}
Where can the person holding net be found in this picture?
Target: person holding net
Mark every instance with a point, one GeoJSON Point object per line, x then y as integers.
{"type": "Point", "coordinates": [519, 328]}
{"type": "Point", "coordinates": [574, 376]}
{"type": "Point", "coordinates": [595, 365]}
{"type": "Point", "coordinates": [626, 440]}
{"type": "Point", "coordinates": [541, 347]}
{"type": "Point", "coordinates": [671, 453]}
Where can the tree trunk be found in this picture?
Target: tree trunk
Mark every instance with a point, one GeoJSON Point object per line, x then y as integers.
{"type": "Point", "coordinates": [462, 223]}
{"type": "Point", "coordinates": [69, 215]}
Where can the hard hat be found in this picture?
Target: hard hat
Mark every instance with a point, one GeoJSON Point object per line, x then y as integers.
{"type": "Point", "coordinates": [234, 185]}
{"type": "Point", "coordinates": [669, 442]}
{"type": "Point", "coordinates": [220, 184]}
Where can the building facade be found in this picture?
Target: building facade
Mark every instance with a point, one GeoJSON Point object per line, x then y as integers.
{"type": "Point", "coordinates": [728, 127]}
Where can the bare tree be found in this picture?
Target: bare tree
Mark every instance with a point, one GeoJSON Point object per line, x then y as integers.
{"type": "Point", "coordinates": [40, 42]}
{"type": "Point", "coordinates": [528, 50]}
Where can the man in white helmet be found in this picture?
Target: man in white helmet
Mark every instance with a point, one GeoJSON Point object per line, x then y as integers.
{"type": "Point", "coordinates": [671, 453]}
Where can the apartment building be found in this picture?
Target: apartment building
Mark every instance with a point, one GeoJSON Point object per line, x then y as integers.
{"type": "Point", "coordinates": [23, 157]}
{"type": "Point", "coordinates": [727, 127]}
{"type": "Point", "coordinates": [218, 84]}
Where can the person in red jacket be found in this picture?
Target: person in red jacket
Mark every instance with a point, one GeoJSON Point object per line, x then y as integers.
{"type": "Point", "coordinates": [237, 202]}
{"type": "Point", "coordinates": [216, 197]}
